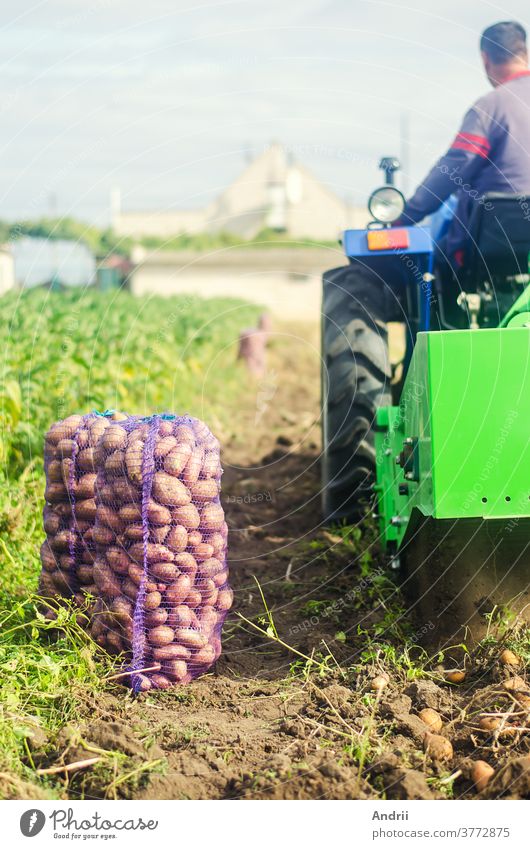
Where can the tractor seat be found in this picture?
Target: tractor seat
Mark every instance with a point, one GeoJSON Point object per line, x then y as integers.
{"type": "Point", "coordinates": [499, 240]}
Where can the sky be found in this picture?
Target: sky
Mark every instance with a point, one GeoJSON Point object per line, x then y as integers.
{"type": "Point", "coordinates": [167, 99]}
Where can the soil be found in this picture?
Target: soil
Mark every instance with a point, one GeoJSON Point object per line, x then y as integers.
{"type": "Point", "coordinates": [266, 723]}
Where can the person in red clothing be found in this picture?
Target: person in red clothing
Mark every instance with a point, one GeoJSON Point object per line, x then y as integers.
{"type": "Point", "coordinates": [491, 151]}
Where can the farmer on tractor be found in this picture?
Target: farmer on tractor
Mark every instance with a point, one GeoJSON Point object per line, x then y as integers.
{"type": "Point", "coordinates": [473, 274]}
{"type": "Point", "coordinates": [490, 151]}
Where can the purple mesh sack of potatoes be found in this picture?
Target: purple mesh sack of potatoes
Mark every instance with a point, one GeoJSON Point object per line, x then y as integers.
{"type": "Point", "coordinates": [68, 553]}
{"type": "Point", "coordinates": [160, 566]}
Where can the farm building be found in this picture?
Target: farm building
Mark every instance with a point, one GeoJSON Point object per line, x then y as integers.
{"type": "Point", "coordinates": [273, 192]}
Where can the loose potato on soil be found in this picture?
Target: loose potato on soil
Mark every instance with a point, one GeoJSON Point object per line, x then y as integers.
{"type": "Point", "coordinates": [432, 719]}
{"type": "Point", "coordinates": [481, 773]}
{"type": "Point", "coordinates": [437, 748]}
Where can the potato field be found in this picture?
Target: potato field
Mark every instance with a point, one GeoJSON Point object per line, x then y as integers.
{"type": "Point", "coordinates": [326, 687]}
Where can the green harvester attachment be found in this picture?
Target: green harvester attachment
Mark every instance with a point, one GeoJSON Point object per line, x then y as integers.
{"type": "Point", "coordinates": [453, 476]}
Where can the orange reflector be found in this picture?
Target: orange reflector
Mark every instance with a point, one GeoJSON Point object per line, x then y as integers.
{"type": "Point", "coordinates": [387, 240]}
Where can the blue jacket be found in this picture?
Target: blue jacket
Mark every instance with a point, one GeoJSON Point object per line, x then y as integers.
{"type": "Point", "coordinates": [491, 153]}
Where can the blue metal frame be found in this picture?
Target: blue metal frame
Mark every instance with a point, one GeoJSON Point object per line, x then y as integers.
{"type": "Point", "coordinates": [355, 242]}
{"type": "Point", "coordinates": [421, 248]}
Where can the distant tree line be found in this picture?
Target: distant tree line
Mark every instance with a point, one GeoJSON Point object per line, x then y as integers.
{"type": "Point", "coordinates": [104, 241]}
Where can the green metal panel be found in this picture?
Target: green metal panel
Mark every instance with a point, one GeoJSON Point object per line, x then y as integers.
{"type": "Point", "coordinates": [465, 411]}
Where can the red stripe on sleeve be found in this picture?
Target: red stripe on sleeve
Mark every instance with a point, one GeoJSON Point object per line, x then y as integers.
{"type": "Point", "coordinates": [471, 147]}
{"type": "Point", "coordinates": [481, 140]}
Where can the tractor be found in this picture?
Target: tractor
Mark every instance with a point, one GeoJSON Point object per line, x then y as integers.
{"type": "Point", "coordinates": [434, 442]}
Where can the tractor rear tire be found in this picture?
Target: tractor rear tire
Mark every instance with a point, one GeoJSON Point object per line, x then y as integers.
{"type": "Point", "coordinates": [356, 375]}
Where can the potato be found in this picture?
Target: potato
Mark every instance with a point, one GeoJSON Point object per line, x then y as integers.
{"type": "Point", "coordinates": [168, 490]}
{"type": "Point", "coordinates": [114, 643]}
{"type": "Point", "coordinates": [203, 491]}
{"type": "Point", "coordinates": [514, 684]}
{"type": "Point", "coordinates": [48, 559]}
{"type": "Point", "coordinates": [88, 556]}
{"type": "Point", "coordinates": [191, 639]}
{"type": "Point", "coordinates": [194, 538]}
{"type": "Point", "coordinates": [86, 509]}
{"type": "Point", "coordinates": [134, 461]}
{"type": "Point", "coordinates": [85, 459]}
{"type": "Point", "coordinates": [118, 560]}
{"type": "Point", "coordinates": [64, 429]}
{"type": "Point", "coordinates": [84, 574]}
{"type": "Point", "coordinates": [188, 516]}
{"type": "Point", "coordinates": [180, 616]}
{"type": "Point", "coordinates": [130, 589]}
{"type": "Point", "coordinates": [438, 748]}
{"type": "Point", "coordinates": [225, 599]}
{"type": "Point", "coordinates": [62, 540]}
{"type": "Point", "coordinates": [142, 682]}
{"type": "Point", "coordinates": [184, 433]}
{"type": "Point", "coordinates": [455, 676]}
{"type": "Point", "coordinates": [171, 652]}
{"type": "Point", "coordinates": [115, 464]}
{"type": "Point", "coordinates": [130, 513]}
{"type": "Point", "coordinates": [136, 574]}
{"type": "Point", "coordinates": [125, 492]}
{"type": "Point", "coordinates": [164, 446]}
{"type": "Point", "coordinates": [103, 536]}
{"type": "Point", "coordinates": [221, 578]}
{"type": "Point", "coordinates": [63, 582]}
{"type": "Point", "coordinates": [163, 571]}
{"type": "Point", "coordinates": [211, 567]}
{"type": "Point", "coordinates": [158, 616]}
{"type": "Point", "coordinates": [175, 461]}
{"type": "Point", "coordinates": [152, 600]}
{"type": "Point", "coordinates": [55, 492]}
{"type": "Point", "coordinates": [159, 681]}
{"type": "Point", "coordinates": [122, 609]}
{"type": "Point", "coordinates": [68, 473]}
{"type": "Point", "coordinates": [207, 620]}
{"type": "Point", "coordinates": [162, 635]}
{"type": "Point", "coordinates": [186, 563]}
{"type": "Point", "coordinates": [178, 590]}
{"type": "Point", "coordinates": [114, 438]}
{"type": "Point", "coordinates": [203, 551]}
{"type": "Point", "coordinates": [105, 494]}
{"type": "Point", "coordinates": [212, 517]}
{"type": "Point", "coordinates": [193, 599]}
{"type": "Point", "coordinates": [134, 532]}
{"type": "Point", "coordinates": [66, 563]}
{"type": "Point", "coordinates": [85, 487]}
{"type": "Point", "coordinates": [205, 656]}
{"type": "Point", "coordinates": [97, 428]}
{"type": "Point", "coordinates": [159, 533]}
{"type": "Point", "coordinates": [211, 465]}
{"type": "Point", "coordinates": [155, 553]}
{"type": "Point", "coordinates": [177, 538]}
{"type": "Point", "coordinates": [105, 579]}
{"type": "Point", "coordinates": [54, 472]}
{"type": "Point", "coordinates": [157, 514]}
{"type": "Point", "coordinates": [192, 469]}
{"type": "Point", "coordinates": [107, 516]}
{"type": "Point", "coordinates": [481, 772]}
{"type": "Point", "coordinates": [66, 448]}
{"type": "Point", "coordinates": [176, 670]}
{"type": "Point", "coordinates": [432, 719]}
{"type": "Point", "coordinates": [208, 590]}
